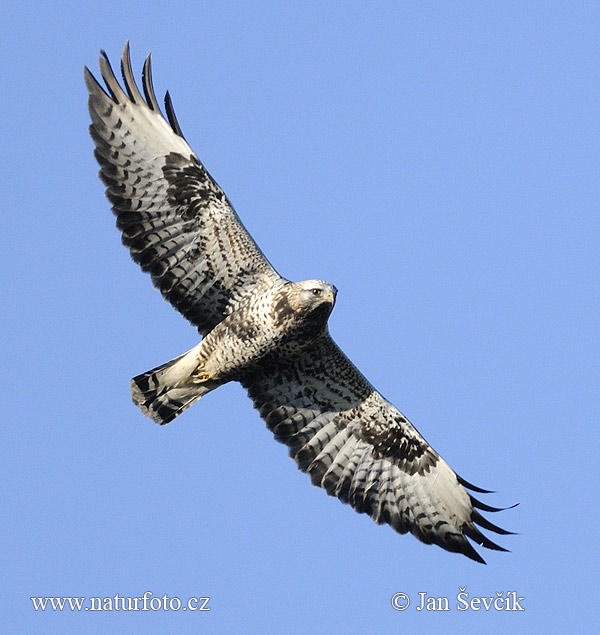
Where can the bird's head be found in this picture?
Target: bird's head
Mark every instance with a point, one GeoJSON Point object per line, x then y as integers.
{"type": "Point", "coordinates": [305, 305]}
{"type": "Point", "coordinates": [316, 295]}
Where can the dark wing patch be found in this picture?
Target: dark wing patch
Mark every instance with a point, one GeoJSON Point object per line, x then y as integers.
{"type": "Point", "coordinates": [177, 222]}
{"type": "Point", "coordinates": [361, 449]}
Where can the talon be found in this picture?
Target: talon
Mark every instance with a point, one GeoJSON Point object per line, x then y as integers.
{"type": "Point", "coordinates": [203, 376]}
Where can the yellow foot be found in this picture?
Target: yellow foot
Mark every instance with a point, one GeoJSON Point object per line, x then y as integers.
{"type": "Point", "coordinates": [202, 377]}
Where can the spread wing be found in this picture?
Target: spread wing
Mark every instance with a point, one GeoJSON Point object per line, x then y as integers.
{"type": "Point", "coordinates": [360, 448]}
{"type": "Point", "coordinates": [177, 222]}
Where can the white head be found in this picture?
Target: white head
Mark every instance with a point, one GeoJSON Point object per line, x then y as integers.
{"type": "Point", "coordinates": [307, 303]}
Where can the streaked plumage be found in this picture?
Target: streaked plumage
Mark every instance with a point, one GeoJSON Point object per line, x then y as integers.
{"type": "Point", "coordinates": [261, 330]}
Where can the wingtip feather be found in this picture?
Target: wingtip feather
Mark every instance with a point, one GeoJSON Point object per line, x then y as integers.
{"type": "Point", "coordinates": [472, 487]}
{"type": "Point", "coordinates": [171, 115]}
{"type": "Point", "coordinates": [128, 78]}
{"type": "Point", "coordinates": [109, 77]}
{"type": "Point", "coordinates": [148, 84]}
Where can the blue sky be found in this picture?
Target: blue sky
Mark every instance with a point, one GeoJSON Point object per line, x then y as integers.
{"type": "Point", "coordinates": [437, 161]}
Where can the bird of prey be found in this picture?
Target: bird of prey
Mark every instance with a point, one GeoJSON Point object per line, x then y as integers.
{"type": "Point", "coordinates": [262, 330]}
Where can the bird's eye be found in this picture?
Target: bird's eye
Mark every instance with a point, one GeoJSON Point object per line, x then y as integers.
{"type": "Point", "coordinates": [316, 292]}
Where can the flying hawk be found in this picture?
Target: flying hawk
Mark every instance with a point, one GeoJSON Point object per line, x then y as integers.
{"type": "Point", "coordinates": [262, 330]}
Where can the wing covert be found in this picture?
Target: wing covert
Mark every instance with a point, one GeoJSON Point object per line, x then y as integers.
{"type": "Point", "coordinates": [176, 221]}
{"type": "Point", "coordinates": [360, 448]}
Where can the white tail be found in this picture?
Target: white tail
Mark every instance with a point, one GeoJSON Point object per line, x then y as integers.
{"type": "Point", "coordinates": [165, 392]}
